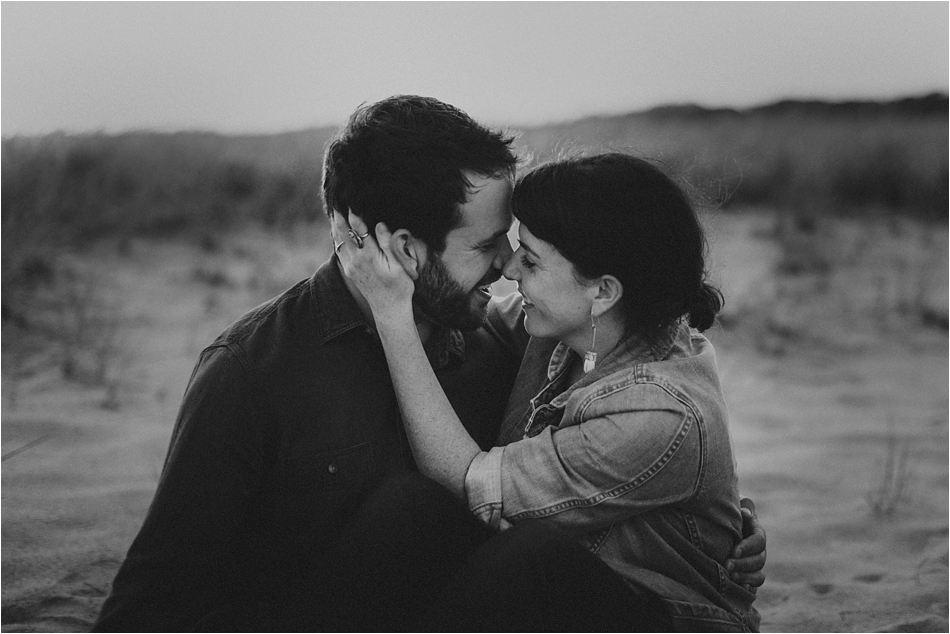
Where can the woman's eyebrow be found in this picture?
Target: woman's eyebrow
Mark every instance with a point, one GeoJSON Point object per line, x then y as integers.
{"type": "Point", "coordinates": [529, 249]}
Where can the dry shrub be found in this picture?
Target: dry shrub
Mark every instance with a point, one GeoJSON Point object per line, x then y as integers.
{"type": "Point", "coordinates": [842, 283]}
{"type": "Point", "coordinates": [891, 486]}
{"type": "Point", "coordinates": [90, 186]}
{"type": "Point", "coordinates": [70, 319]}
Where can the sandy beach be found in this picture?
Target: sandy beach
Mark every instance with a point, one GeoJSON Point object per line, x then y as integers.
{"type": "Point", "coordinates": [838, 398]}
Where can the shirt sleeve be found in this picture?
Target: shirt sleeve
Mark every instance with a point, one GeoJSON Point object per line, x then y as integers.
{"type": "Point", "coordinates": [590, 475]}
{"type": "Point", "coordinates": [172, 572]}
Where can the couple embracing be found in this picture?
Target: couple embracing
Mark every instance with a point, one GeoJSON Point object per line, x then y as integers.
{"type": "Point", "coordinates": [385, 446]}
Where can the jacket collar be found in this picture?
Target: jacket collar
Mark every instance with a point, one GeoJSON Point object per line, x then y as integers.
{"type": "Point", "coordinates": [335, 313]}
{"type": "Point", "coordinates": [630, 351]}
{"type": "Point", "coordinates": [547, 407]}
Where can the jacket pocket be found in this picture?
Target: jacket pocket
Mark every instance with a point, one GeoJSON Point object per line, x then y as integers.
{"type": "Point", "coordinates": [345, 470]}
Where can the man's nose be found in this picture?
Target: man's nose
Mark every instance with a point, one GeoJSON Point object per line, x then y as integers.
{"type": "Point", "coordinates": [510, 270]}
{"type": "Point", "coordinates": [504, 254]}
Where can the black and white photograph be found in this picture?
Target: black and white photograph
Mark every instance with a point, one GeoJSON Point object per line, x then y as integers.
{"type": "Point", "coordinates": [475, 316]}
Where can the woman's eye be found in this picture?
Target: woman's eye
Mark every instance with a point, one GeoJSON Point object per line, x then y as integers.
{"type": "Point", "coordinates": [525, 262]}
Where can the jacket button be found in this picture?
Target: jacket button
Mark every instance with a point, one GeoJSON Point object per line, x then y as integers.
{"type": "Point", "coordinates": [332, 468]}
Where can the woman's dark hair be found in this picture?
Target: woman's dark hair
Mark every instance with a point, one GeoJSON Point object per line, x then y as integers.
{"type": "Point", "coordinates": [620, 215]}
{"type": "Point", "coordinates": [401, 161]}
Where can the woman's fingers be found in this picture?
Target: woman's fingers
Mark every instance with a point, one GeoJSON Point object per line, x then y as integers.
{"type": "Point", "coordinates": [338, 226]}
{"type": "Point", "coordinates": [356, 223]}
{"type": "Point", "coordinates": [384, 238]}
{"type": "Point", "coordinates": [338, 232]}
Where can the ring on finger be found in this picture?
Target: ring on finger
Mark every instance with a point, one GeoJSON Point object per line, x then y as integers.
{"type": "Point", "coordinates": [338, 245]}
{"type": "Point", "coordinates": [357, 238]}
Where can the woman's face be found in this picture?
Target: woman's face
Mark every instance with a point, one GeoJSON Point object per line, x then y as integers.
{"type": "Point", "coordinates": [556, 305]}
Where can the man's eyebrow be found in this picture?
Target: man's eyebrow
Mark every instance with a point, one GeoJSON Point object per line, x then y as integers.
{"type": "Point", "coordinates": [493, 237]}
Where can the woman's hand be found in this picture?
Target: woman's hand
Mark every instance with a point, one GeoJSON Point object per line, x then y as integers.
{"type": "Point", "coordinates": [370, 264]}
{"type": "Point", "coordinates": [441, 446]}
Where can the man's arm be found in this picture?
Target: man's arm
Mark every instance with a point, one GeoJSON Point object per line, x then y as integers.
{"type": "Point", "coordinates": [174, 572]}
{"type": "Point", "coordinates": [748, 557]}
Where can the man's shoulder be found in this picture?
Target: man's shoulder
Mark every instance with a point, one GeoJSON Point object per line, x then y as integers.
{"type": "Point", "coordinates": [319, 305]}
{"type": "Point", "coordinates": [261, 321]}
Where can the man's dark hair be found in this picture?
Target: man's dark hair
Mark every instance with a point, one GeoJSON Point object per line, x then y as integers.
{"type": "Point", "coordinates": [401, 161]}
{"type": "Point", "coordinates": [620, 215]}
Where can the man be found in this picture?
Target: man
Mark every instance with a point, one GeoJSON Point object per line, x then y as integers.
{"type": "Point", "coordinates": [289, 421]}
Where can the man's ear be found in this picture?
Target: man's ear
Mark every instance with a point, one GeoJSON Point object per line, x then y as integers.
{"type": "Point", "coordinates": [609, 291]}
{"type": "Point", "coordinates": [410, 252]}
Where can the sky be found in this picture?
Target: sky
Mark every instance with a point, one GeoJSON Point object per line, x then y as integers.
{"type": "Point", "coordinates": [247, 67]}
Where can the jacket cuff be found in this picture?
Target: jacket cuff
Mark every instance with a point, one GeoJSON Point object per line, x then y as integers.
{"type": "Point", "coordinates": [483, 487]}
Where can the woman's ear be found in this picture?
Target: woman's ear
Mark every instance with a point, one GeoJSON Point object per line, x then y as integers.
{"type": "Point", "coordinates": [609, 291]}
{"type": "Point", "coordinates": [409, 251]}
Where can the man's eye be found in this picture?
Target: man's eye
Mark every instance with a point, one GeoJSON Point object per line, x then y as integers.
{"type": "Point", "coordinates": [525, 262]}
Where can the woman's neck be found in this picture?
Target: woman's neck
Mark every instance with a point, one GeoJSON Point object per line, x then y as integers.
{"type": "Point", "coordinates": [609, 334]}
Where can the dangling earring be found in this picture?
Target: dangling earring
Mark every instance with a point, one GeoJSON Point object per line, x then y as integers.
{"type": "Point", "coordinates": [590, 358]}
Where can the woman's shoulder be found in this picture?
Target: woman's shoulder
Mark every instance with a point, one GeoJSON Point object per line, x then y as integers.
{"type": "Point", "coordinates": [684, 380]}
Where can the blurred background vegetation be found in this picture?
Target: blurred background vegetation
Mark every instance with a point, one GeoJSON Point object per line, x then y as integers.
{"type": "Point", "coordinates": [854, 197]}
{"type": "Point", "coordinates": [808, 156]}
{"type": "Point", "coordinates": [815, 158]}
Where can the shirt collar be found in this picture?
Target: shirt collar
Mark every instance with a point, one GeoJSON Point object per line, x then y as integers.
{"type": "Point", "coordinates": [442, 343]}
{"type": "Point", "coordinates": [336, 312]}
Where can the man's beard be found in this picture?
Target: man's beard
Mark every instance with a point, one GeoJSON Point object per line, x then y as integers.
{"type": "Point", "coordinates": [443, 301]}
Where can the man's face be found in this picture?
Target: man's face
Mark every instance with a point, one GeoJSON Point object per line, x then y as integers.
{"type": "Point", "coordinates": [453, 288]}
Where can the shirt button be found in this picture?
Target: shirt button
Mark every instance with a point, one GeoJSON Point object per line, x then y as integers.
{"type": "Point", "coordinates": [332, 468]}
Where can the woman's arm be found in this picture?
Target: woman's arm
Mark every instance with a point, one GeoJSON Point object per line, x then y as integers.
{"type": "Point", "coordinates": [442, 448]}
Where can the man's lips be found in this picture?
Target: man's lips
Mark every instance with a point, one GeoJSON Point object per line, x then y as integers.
{"type": "Point", "coordinates": [485, 285]}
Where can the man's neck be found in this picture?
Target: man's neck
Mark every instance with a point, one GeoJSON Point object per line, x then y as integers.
{"type": "Point", "coordinates": [425, 328]}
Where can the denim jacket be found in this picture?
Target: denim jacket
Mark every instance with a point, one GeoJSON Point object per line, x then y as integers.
{"type": "Point", "coordinates": [288, 422]}
{"type": "Point", "coordinates": [635, 460]}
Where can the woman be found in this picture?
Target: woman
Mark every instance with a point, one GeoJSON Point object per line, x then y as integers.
{"type": "Point", "coordinates": [624, 447]}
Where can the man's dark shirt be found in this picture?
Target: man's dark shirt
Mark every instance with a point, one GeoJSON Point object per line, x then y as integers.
{"type": "Point", "coordinates": [288, 422]}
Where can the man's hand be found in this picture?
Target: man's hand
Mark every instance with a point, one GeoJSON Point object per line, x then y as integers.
{"type": "Point", "coordinates": [748, 557]}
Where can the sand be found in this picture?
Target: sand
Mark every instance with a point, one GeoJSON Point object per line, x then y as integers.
{"type": "Point", "coordinates": [821, 394]}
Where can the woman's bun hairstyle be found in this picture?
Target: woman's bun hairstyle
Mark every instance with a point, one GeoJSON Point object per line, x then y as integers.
{"type": "Point", "coordinates": [702, 306]}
